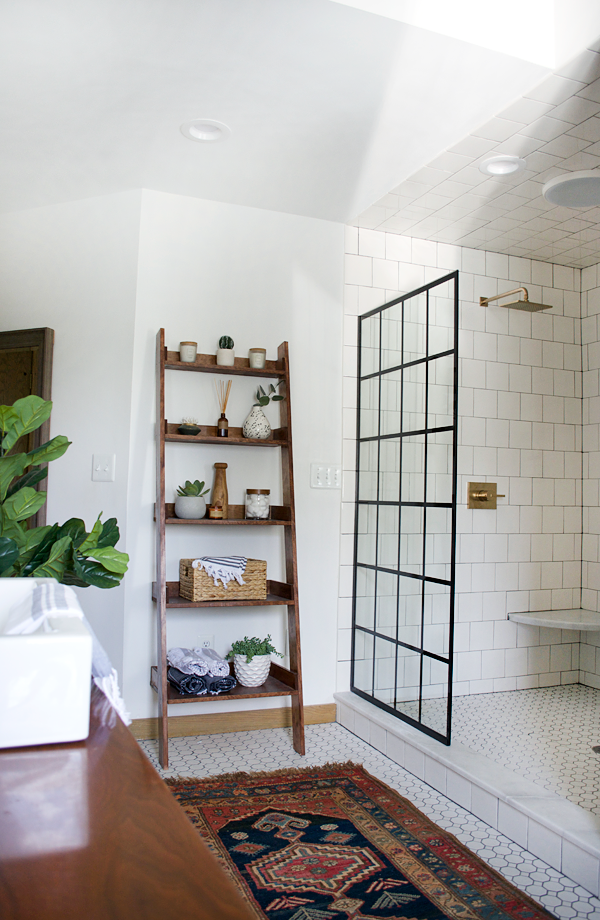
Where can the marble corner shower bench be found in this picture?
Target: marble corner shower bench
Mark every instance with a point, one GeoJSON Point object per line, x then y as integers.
{"type": "Point", "coordinates": [577, 618]}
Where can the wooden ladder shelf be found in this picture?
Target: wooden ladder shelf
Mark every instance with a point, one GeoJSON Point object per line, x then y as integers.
{"type": "Point", "coordinates": [281, 681]}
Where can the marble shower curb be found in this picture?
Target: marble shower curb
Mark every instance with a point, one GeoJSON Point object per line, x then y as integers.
{"type": "Point", "coordinates": [564, 835]}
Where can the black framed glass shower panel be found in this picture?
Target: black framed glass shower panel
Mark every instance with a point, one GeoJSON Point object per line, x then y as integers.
{"type": "Point", "coordinates": [405, 527]}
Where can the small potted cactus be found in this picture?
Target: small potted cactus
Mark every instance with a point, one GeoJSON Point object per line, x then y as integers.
{"type": "Point", "coordinates": [189, 501]}
{"type": "Point", "coordinates": [225, 352]}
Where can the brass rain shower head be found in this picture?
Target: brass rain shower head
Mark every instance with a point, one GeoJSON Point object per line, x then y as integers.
{"type": "Point", "coordinates": [525, 304]}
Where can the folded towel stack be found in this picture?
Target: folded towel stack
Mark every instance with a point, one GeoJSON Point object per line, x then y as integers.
{"type": "Point", "coordinates": [199, 671]}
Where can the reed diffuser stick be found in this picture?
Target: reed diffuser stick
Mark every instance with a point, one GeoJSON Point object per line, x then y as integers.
{"type": "Point", "coordinates": [223, 390]}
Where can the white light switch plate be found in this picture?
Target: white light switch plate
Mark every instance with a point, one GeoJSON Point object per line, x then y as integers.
{"type": "Point", "coordinates": [325, 476]}
{"type": "Point", "coordinates": [103, 468]}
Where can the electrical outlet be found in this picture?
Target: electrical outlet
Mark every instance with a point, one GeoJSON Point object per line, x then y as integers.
{"type": "Point", "coordinates": [206, 641]}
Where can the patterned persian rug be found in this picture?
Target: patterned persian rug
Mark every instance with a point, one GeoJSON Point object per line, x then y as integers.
{"type": "Point", "coordinates": [333, 842]}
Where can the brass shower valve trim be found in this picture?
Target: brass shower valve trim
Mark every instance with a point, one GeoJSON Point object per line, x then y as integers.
{"type": "Point", "coordinates": [483, 495]}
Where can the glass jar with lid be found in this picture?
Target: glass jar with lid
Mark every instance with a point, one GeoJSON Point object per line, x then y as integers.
{"type": "Point", "coordinates": [258, 504]}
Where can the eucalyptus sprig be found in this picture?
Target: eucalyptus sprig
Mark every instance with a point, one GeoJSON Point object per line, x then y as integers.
{"type": "Point", "coordinates": [263, 399]}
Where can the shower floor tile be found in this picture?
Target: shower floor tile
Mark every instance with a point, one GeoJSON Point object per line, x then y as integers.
{"type": "Point", "coordinates": [545, 735]}
{"type": "Point", "coordinates": [272, 749]}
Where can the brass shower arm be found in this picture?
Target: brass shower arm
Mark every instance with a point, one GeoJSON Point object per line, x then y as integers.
{"type": "Point", "coordinates": [484, 301]}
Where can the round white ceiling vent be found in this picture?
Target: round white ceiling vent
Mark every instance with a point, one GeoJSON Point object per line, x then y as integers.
{"type": "Point", "coordinates": [574, 190]}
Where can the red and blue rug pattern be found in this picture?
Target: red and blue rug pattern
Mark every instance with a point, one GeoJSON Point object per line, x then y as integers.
{"type": "Point", "coordinates": [334, 843]}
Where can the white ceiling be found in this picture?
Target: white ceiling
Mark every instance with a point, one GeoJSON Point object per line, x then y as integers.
{"type": "Point", "coordinates": [556, 127]}
{"type": "Point", "coordinates": [329, 106]}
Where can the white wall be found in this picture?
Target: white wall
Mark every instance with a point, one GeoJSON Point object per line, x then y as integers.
{"type": "Point", "coordinates": [207, 269]}
{"type": "Point", "coordinates": [73, 267]}
{"type": "Point", "coordinates": [520, 425]}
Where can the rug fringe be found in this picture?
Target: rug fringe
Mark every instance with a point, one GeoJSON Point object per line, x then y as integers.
{"type": "Point", "coordinates": [250, 774]}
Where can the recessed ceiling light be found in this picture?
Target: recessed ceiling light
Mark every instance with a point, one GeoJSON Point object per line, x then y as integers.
{"type": "Point", "coordinates": [206, 130]}
{"type": "Point", "coordinates": [502, 165]}
{"type": "Point", "coordinates": [574, 190]}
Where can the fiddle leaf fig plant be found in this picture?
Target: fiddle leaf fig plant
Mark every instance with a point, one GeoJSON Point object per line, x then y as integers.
{"type": "Point", "coordinates": [66, 552]}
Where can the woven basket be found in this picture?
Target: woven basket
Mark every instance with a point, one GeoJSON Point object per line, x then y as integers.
{"type": "Point", "coordinates": [196, 585]}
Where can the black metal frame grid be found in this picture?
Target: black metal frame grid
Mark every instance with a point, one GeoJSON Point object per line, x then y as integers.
{"type": "Point", "coordinates": [377, 503]}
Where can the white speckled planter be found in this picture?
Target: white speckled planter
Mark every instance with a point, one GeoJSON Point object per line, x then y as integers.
{"type": "Point", "coordinates": [257, 424]}
{"type": "Point", "coordinates": [251, 673]}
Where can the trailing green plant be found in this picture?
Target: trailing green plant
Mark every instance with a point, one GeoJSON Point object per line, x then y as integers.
{"type": "Point", "coordinates": [226, 341]}
{"type": "Point", "coordinates": [252, 647]}
{"type": "Point", "coordinates": [263, 399]}
{"type": "Point", "coordinates": [192, 488]}
{"type": "Point", "coordinates": [66, 552]}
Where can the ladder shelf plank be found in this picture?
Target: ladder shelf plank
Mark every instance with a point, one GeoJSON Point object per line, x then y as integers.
{"type": "Point", "coordinates": [271, 687]}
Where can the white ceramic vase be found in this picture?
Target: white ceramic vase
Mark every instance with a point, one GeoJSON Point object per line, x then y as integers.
{"type": "Point", "coordinates": [192, 507]}
{"type": "Point", "coordinates": [226, 357]}
{"type": "Point", "coordinates": [257, 424]}
{"type": "Point", "coordinates": [251, 673]}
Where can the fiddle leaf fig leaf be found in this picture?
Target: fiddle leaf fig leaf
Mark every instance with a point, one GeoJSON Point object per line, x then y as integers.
{"type": "Point", "coordinates": [10, 467]}
{"type": "Point", "coordinates": [9, 553]}
{"type": "Point", "coordinates": [54, 566]}
{"type": "Point", "coordinates": [110, 558]}
{"type": "Point", "coordinates": [51, 450]}
{"type": "Point", "coordinates": [30, 412]}
{"type": "Point", "coordinates": [8, 416]}
{"type": "Point", "coordinates": [110, 533]}
{"type": "Point", "coordinates": [31, 478]}
{"type": "Point", "coordinates": [22, 504]}
{"type": "Point", "coordinates": [74, 528]}
{"type": "Point", "coordinates": [92, 538]}
{"type": "Point", "coordinates": [93, 573]}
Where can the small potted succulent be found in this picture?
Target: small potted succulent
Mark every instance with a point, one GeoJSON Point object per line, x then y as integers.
{"type": "Point", "coordinates": [252, 660]}
{"type": "Point", "coordinates": [225, 352]}
{"type": "Point", "coordinates": [257, 424]}
{"type": "Point", "coordinates": [188, 426]}
{"type": "Point", "coordinates": [189, 501]}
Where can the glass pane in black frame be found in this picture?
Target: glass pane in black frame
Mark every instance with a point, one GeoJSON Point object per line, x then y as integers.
{"type": "Point", "coordinates": [368, 462]}
{"type": "Point", "coordinates": [364, 599]}
{"type": "Point", "coordinates": [366, 535]}
{"type": "Point", "coordinates": [369, 345]}
{"type": "Point", "coordinates": [363, 661]}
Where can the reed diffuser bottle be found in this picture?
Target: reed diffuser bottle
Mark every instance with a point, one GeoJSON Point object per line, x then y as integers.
{"type": "Point", "coordinates": [223, 390]}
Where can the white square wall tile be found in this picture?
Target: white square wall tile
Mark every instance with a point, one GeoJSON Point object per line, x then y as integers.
{"type": "Point", "coordinates": [484, 805]}
{"type": "Point", "coordinates": [513, 823]}
{"type": "Point", "coordinates": [544, 843]}
{"type": "Point", "coordinates": [580, 866]}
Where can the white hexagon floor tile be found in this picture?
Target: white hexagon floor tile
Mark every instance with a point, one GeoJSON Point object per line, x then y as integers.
{"type": "Point", "coordinates": [209, 755]}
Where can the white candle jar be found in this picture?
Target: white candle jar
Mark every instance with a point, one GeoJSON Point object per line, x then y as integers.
{"type": "Point", "coordinates": [257, 357]}
{"type": "Point", "coordinates": [188, 351]}
{"type": "Point", "coordinates": [258, 504]}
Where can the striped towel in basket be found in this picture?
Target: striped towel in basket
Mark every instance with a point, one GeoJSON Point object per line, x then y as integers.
{"type": "Point", "coordinates": [227, 568]}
